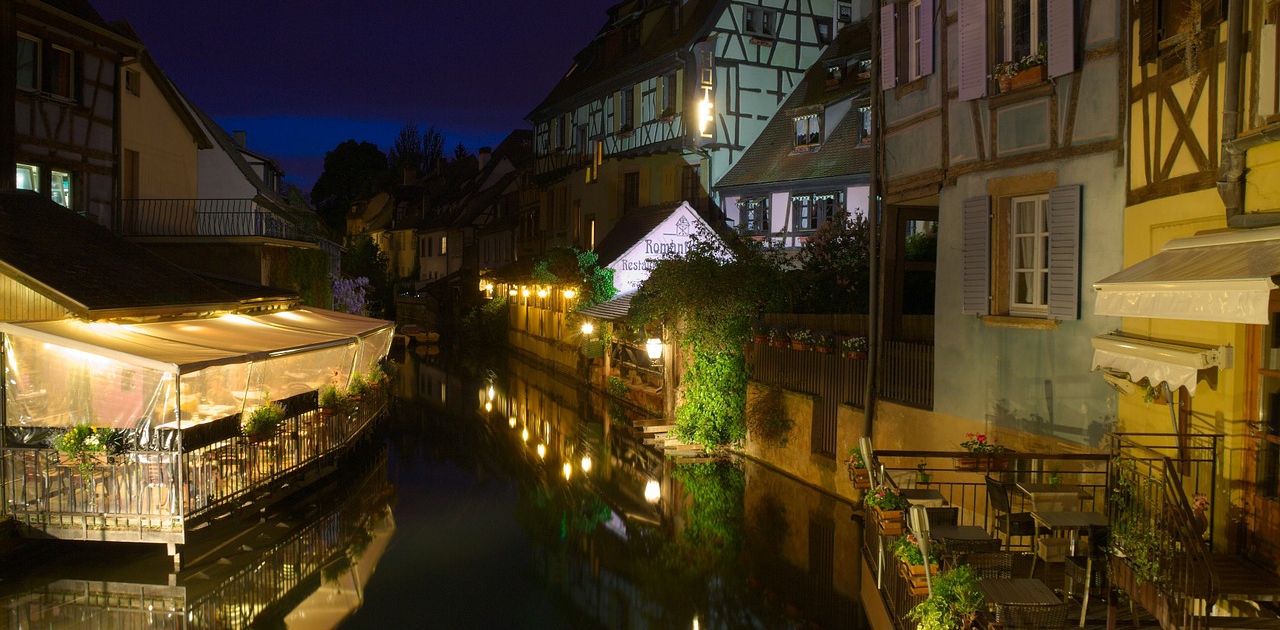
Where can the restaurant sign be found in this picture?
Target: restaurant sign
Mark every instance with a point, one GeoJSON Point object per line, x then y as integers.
{"type": "Point", "coordinates": [631, 269]}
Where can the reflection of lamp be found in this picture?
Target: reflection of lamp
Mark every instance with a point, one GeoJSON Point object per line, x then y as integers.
{"type": "Point", "coordinates": [524, 292]}
{"type": "Point", "coordinates": [587, 328]}
{"type": "Point", "coordinates": [654, 348]}
{"type": "Point", "coordinates": [490, 392]}
{"type": "Point", "coordinates": [568, 470]}
{"type": "Point", "coordinates": [586, 463]}
{"type": "Point", "coordinates": [524, 435]}
{"type": "Point", "coordinates": [542, 450]}
{"type": "Point", "coordinates": [512, 422]}
{"type": "Point", "coordinates": [512, 292]}
{"type": "Point", "coordinates": [652, 492]}
{"type": "Point", "coordinates": [488, 406]}
{"type": "Point", "coordinates": [695, 622]}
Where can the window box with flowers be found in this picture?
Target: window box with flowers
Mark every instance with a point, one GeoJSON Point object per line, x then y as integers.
{"type": "Point", "coordinates": [801, 339]}
{"type": "Point", "coordinates": [907, 550]}
{"type": "Point", "coordinates": [760, 332]}
{"type": "Point", "coordinates": [857, 466]}
{"type": "Point", "coordinates": [985, 454]}
{"type": "Point", "coordinates": [777, 337]}
{"type": "Point", "coordinates": [1019, 73]}
{"type": "Point", "coordinates": [824, 342]}
{"type": "Point", "coordinates": [854, 347]}
{"type": "Point", "coordinates": [84, 447]}
{"type": "Point", "coordinates": [888, 505]}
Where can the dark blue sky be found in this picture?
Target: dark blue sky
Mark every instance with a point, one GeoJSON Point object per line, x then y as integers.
{"type": "Point", "coordinates": [302, 76]}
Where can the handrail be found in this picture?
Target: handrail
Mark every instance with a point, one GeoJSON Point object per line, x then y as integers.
{"type": "Point", "coordinates": [1196, 565]}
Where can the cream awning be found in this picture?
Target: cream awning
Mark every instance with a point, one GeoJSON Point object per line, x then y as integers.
{"type": "Point", "coordinates": [1223, 277]}
{"type": "Point", "coordinates": [1157, 361]}
{"type": "Point", "coordinates": [308, 318]}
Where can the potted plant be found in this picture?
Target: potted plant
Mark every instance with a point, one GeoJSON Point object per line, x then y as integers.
{"type": "Point", "coordinates": [359, 387]}
{"type": "Point", "coordinates": [907, 550]}
{"type": "Point", "coordinates": [954, 604]}
{"type": "Point", "coordinates": [85, 447]}
{"type": "Point", "coordinates": [1003, 72]}
{"type": "Point", "coordinates": [858, 473]}
{"type": "Point", "coordinates": [801, 339]}
{"type": "Point", "coordinates": [332, 400]}
{"type": "Point", "coordinates": [777, 337]}
{"type": "Point", "coordinates": [1054, 479]}
{"type": "Point", "coordinates": [760, 332]}
{"type": "Point", "coordinates": [667, 115]}
{"type": "Point", "coordinates": [263, 421]}
{"type": "Point", "coordinates": [888, 505]}
{"type": "Point", "coordinates": [983, 451]}
{"type": "Point", "coordinates": [825, 342]}
{"type": "Point", "coordinates": [854, 347]}
{"type": "Point", "coordinates": [922, 473]}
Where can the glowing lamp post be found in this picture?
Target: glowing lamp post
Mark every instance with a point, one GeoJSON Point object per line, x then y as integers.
{"type": "Point", "coordinates": [652, 491]}
{"type": "Point", "coordinates": [588, 328]}
{"type": "Point", "coordinates": [654, 349]}
{"type": "Point", "coordinates": [586, 463]}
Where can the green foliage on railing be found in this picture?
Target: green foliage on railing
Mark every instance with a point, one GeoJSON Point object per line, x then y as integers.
{"type": "Point", "coordinates": [570, 265]}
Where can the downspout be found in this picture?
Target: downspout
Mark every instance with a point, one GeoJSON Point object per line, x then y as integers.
{"type": "Point", "coordinates": [873, 241]}
{"type": "Point", "coordinates": [1232, 167]}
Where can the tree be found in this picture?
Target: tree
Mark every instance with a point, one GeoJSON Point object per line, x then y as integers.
{"type": "Point", "coordinates": [352, 170]}
{"type": "Point", "coordinates": [460, 151]}
{"type": "Point", "coordinates": [415, 149]}
{"type": "Point", "coordinates": [835, 268]}
{"type": "Point", "coordinates": [364, 260]}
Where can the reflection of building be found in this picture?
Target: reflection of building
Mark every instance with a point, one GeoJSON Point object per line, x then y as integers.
{"type": "Point", "coordinates": [309, 572]}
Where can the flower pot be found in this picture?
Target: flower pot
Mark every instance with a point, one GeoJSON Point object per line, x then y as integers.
{"type": "Point", "coordinates": [861, 477]}
{"type": "Point", "coordinates": [1028, 77]}
{"type": "Point", "coordinates": [917, 570]}
{"type": "Point", "coordinates": [922, 477]}
{"type": "Point", "coordinates": [854, 354]}
{"type": "Point", "coordinates": [778, 343]}
{"type": "Point", "coordinates": [761, 338]}
{"type": "Point", "coordinates": [801, 345]}
{"type": "Point", "coordinates": [890, 521]}
{"type": "Point", "coordinates": [1004, 82]}
{"type": "Point", "coordinates": [261, 436]}
{"type": "Point", "coordinates": [967, 463]}
{"type": "Point", "coordinates": [825, 349]}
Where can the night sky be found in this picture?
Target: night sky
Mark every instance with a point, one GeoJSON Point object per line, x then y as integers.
{"type": "Point", "coordinates": [301, 77]}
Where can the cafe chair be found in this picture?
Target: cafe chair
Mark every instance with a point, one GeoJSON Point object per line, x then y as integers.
{"type": "Point", "coordinates": [943, 516]}
{"type": "Point", "coordinates": [1007, 522]}
{"type": "Point", "coordinates": [1032, 616]}
{"type": "Point", "coordinates": [997, 565]}
{"type": "Point", "coordinates": [1086, 574]}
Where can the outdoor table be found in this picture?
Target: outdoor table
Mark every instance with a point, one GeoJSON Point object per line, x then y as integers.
{"type": "Point", "coordinates": [1016, 591]}
{"type": "Point", "coordinates": [927, 497]}
{"type": "Point", "coordinates": [1057, 521]}
{"type": "Point", "coordinates": [1046, 497]}
{"type": "Point", "coordinates": [958, 539]}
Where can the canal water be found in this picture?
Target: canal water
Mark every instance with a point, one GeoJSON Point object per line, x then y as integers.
{"type": "Point", "coordinates": [493, 496]}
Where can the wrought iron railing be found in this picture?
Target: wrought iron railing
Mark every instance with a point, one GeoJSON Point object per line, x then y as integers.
{"type": "Point", "coordinates": [205, 217]}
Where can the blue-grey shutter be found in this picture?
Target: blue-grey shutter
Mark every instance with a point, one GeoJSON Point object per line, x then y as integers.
{"type": "Point", "coordinates": [926, 37]}
{"type": "Point", "coordinates": [1064, 252]}
{"type": "Point", "coordinates": [888, 48]}
{"type": "Point", "coordinates": [973, 49]}
{"type": "Point", "coordinates": [976, 269]}
{"type": "Point", "coordinates": [1062, 35]}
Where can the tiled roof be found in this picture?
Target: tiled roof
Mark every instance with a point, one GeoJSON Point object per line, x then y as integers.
{"type": "Point", "coordinates": [771, 159]}
{"type": "Point", "coordinates": [83, 266]}
{"type": "Point", "coordinates": [633, 226]}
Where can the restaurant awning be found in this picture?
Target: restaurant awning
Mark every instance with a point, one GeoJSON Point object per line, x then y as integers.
{"type": "Point", "coordinates": [614, 310]}
{"type": "Point", "coordinates": [320, 320]}
{"type": "Point", "coordinates": [1157, 361]}
{"type": "Point", "coordinates": [1223, 277]}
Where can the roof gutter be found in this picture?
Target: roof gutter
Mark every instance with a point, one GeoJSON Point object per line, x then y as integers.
{"type": "Point", "coordinates": [1234, 148]}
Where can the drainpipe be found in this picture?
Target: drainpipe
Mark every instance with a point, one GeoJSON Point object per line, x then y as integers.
{"type": "Point", "coordinates": [1231, 170]}
{"type": "Point", "coordinates": [873, 244]}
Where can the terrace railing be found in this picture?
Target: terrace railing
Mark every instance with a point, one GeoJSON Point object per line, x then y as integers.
{"type": "Point", "coordinates": [204, 217]}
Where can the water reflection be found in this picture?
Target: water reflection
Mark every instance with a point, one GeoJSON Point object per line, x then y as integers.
{"type": "Point", "coordinates": [302, 563]}
{"type": "Point", "coordinates": [619, 536]}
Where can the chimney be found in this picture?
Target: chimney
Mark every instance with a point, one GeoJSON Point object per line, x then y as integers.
{"type": "Point", "coordinates": [238, 136]}
{"type": "Point", "coordinates": [483, 156]}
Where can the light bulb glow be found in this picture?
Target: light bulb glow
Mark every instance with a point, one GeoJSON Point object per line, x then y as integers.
{"type": "Point", "coordinates": [512, 422]}
{"type": "Point", "coordinates": [654, 348]}
{"type": "Point", "coordinates": [512, 292]}
{"type": "Point", "coordinates": [488, 406]}
{"type": "Point", "coordinates": [652, 491]}
{"type": "Point", "coordinates": [524, 435]}
{"type": "Point", "coordinates": [490, 392]}
{"type": "Point", "coordinates": [586, 463]}
{"type": "Point", "coordinates": [569, 293]}
{"type": "Point", "coordinates": [588, 328]}
{"type": "Point", "coordinates": [542, 293]}
{"type": "Point", "coordinates": [542, 450]}
{"type": "Point", "coordinates": [568, 470]}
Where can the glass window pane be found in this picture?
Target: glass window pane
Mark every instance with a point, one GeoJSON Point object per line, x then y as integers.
{"type": "Point", "coordinates": [1022, 291]}
{"type": "Point", "coordinates": [28, 177]}
{"type": "Point", "coordinates": [28, 53]}
{"type": "Point", "coordinates": [60, 187]}
{"type": "Point", "coordinates": [1024, 253]}
{"type": "Point", "coordinates": [1026, 217]}
{"type": "Point", "coordinates": [1044, 288]}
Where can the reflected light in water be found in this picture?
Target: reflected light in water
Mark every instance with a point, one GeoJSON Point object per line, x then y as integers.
{"type": "Point", "coordinates": [652, 492]}
{"type": "Point", "coordinates": [490, 392]}
{"type": "Point", "coordinates": [512, 422]}
{"type": "Point", "coordinates": [488, 406]}
{"type": "Point", "coordinates": [586, 463]}
{"type": "Point", "coordinates": [524, 435]}
{"type": "Point", "coordinates": [542, 450]}
{"type": "Point", "coordinates": [568, 470]}
{"type": "Point", "coordinates": [695, 622]}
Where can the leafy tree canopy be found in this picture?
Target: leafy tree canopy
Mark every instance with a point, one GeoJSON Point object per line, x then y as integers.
{"type": "Point", "coordinates": [835, 268]}
{"type": "Point", "coordinates": [364, 259]}
{"type": "Point", "coordinates": [352, 170]}
{"type": "Point", "coordinates": [575, 266]}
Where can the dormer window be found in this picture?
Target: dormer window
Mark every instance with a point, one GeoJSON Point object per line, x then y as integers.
{"type": "Point", "coordinates": [835, 74]}
{"type": "Point", "coordinates": [808, 132]}
{"type": "Point", "coordinates": [844, 12]}
{"type": "Point", "coordinates": [864, 125]}
{"type": "Point", "coordinates": [759, 22]}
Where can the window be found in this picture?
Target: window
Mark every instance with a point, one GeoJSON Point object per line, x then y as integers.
{"type": "Point", "coordinates": [630, 191]}
{"type": "Point", "coordinates": [60, 187]}
{"type": "Point", "coordinates": [28, 177]}
{"type": "Point", "coordinates": [444, 245]}
{"type": "Point", "coordinates": [28, 57]}
{"type": "Point", "coordinates": [669, 94]}
{"type": "Point", "coordinates": [753, 215]}
{"type": "Point", "coordinates": [913, 40]}
{"type": "Point", "coordinates": [557, 137]}
{"type": "Point", "coordinates": [844, 12]}
{"type": "Point", "coordinates": [1029, 255]}
{"type": "Point", "coordinates": [59, 72]}
{"type": "Point", "coordinates": [133, 82]}
{"type": "Point", "coordinates": [626, 110]}
{"type": "Point", "coordinates": [597, 158]}
{"type": "Point", "coordinates": [759, 21]}
{"type": "Point", "coordinates": [906, 41]}
{"type": "Point", "coordinates": [1162, 25]}
{"type": "Point", "coordinates": [864, 121]}
{"type": "Point", "coordinates": [823, 27]}
{"type": "Point", "coordinates": [808, 132]}
{"type": "Point", "coordinates": [1022, 256]}
{"type": "Point", "coordinates": [812, 210]}
{"type": "Point", "coordinates": [1026, 27]}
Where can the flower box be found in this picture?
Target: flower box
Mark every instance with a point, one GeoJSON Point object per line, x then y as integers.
{"type": "Point", "coordinates": [890, 521]}
{"type": "Point", "coordinates": [917, 583]}
{"type": "Point", "coordinates": [854, 354]}
{"type": "Point", "coordinates": [1027, 77]}
{"type": "Point", "coordinates": [917, 570]}
{"type": "Point", "coordinates": [760, 338]}
{"type": "Point", "coordinates": [779, 343]}
{"type": "Point", "coordinates": [801, 346]}
{"type": "Point", "coordinates": [861, 477]}
{"type": "Point", "coordinates": [981, 463]}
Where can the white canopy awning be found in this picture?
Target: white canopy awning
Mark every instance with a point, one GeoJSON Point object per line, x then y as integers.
{"type": "Point", "coordinates": [1157, 361]}
{"type": "Point", "coordinates": [320, 320]}
{"type": "Point", "coordinates": [1224, 277]}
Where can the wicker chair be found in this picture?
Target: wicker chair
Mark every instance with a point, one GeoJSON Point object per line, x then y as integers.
{"type": "Point", "coordinates": [943, 516]}
{"type": "Point", "coordinates": [1007, 522]}
{"type": "Point", "coordinates": [1032, 616]}
{"type": "Point", "coordinates": [997, 564]}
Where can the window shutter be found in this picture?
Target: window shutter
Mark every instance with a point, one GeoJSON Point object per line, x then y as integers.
{"type": "Point", "coordinates": [926, 37]}
{"type": "Point", "coordinates": [1148, 30]}
{"type": "Point", "coordinates": [973, 49]}
{"type": "Point", "coordinates": [1064, 252]}
{"type": "Point", "coordinates": [976, 271]}
{"type": "Point", "coordinates": [888, 49]}
{"type": "Point", "coordinates": [1062, 35]}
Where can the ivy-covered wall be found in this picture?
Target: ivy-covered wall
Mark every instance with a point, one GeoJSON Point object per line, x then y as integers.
{"type": "Point", "coordinates": [303, 270]}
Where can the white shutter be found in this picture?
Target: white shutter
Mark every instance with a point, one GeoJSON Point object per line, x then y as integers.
{"type": "Point", "coordinates": [1064, 252]}
{"type": "Point", "coordinates": [976, 262]}
{"type": "Point", "coordinates": [888, 48]}
{"type": "Point", "coordinates": [973, 49]}
{"type": "Point", "coordinates": [926, 37]}
{"type": "Point", "coordinates": [1062, 34]}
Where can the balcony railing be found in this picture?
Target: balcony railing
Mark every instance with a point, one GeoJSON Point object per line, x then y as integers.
{"type": "Point", "coordinates": [204, 217]}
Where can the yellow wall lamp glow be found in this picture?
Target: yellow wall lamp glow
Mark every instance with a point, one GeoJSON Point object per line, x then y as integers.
{"type": "Point", "coordinates": [706, 118]}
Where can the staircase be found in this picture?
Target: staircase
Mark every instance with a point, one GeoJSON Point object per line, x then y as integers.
{"type": "Point", "coordinates": [655, 432]}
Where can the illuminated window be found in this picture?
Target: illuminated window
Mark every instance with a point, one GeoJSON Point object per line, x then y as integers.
{"type": "Point", "coordinates": [808, 132]}
{"type": "Point", "coordinates": [864, 134]}
{"type": "Point", "coordinates": [28, 57]}
{"type": "Point", "coordinates": [59, 72]}
{"type": "Point", "coordinates": [444, 245]}
{"type": "Point", "coordinates": [28, 177]}
{"type": "Point", "coordinates": [627, 110]}
{"type": "Point", "coordinates": [753, 215]}
{"type": "Point", "coordinates": [60, 187]}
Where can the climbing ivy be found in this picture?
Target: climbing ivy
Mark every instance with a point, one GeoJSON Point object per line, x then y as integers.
{"type": "Point", "coordinates": [708, 297]}
{"type": "Point", "coordinates": [574, 266]}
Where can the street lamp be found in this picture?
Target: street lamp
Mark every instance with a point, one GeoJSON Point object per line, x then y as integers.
{"type": "Point", "coordinates": [586, 463]}
{"type": "Point", "coordinates": [652, 491]}
{"type": "Point", "coordinates": [654, 348]}
{"type": "Point", "coordinates": [588, 328]}
{"type": "Point", "coordinates": [569, 293]}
